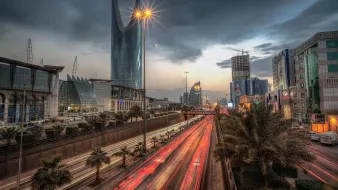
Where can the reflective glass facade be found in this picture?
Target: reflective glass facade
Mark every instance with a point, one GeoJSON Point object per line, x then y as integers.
{"type": "Point", "coordinates": [77, 95]}
{"type": "Point", "coordinates": [195, 96]}
{"type": "Point", "coordinates": [126, 50]}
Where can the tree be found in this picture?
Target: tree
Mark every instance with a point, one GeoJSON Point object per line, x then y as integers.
{"type": "Point", "coordinates": [96, 159]}
{"type": "Point", "coordinates": [8, 133]}
{"type": "Point", "coordinates": [131, 114]}
{"type": "Point", "coordinates": [283, 171]}
{"type": "Point", "coordinates": [168, 134]}
{"type": "Point", "coordinates": [261, 138]}
{"type": "Point", "coordinates": [137, 110]}
{"type": "Point", "coordinates": [124, 152]}
{"type": "Point", "coordinates": [162, 138]}
{"type": "Point", "coordinates": [52, 175]}
{"type": "Point", "coordinates": [138, 150]}
{"type": "Point", "coordinates": [152, 111]}
{"type": "Point", "coordinates": [154, 140]}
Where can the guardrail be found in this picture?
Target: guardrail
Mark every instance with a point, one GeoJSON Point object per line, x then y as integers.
{"type": "Point", "coordinates": [225, 162]}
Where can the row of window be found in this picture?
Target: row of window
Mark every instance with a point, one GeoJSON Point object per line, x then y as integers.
{"type": "Point", "coordinates": [330, 105]}
{"type": "Point", "coordinates": [330, 91]}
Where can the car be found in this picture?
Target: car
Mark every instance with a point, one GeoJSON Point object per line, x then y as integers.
{"type": "Point", "coordinates": [329, 138]}
{"type": "Point", "coordinates": [315, 137]}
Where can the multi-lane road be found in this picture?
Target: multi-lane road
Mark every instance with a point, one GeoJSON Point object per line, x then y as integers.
{"type": "Point", "coordinates": [76, 165]}
{"type": "Point", "coordinates": [325, 167]}
{"type": "Point", "coordinates": [181, 164]}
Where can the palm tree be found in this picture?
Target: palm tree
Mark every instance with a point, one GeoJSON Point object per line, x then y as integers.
{"type": "Point", "coordinates": [8, 133]}
{"type": "Point", "coordinates": [138, 150]}
{"type": "Point", "coordinates": [137, 111]}
{"type": "Point", "coordinates": [52, 175]}
{"type": "Point", "coordinates": [124, 152]}
{"type": "Point", "coordinates": [261, 138]}
{"type": "Point", "coordinates": [154, 140]}
{"type": "Point", "coordinates": [162, 138]}
{"type": "Point", "coordinates": [96, 159]}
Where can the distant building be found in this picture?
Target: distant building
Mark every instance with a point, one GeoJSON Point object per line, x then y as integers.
{"type": "Point", "coordinates": [223, 102]}
{"type": "Point", "coordinates": [253, 86]}
{"type": "Point", "coordinates": [41, 84]}
{"type": "Point", "coordinates": [195, 96]}
{"type": "Point", "coordinates": [161, 103]}
{"type": "Point", "coordinates": [186, 98]}
{"type": "Point", "coordinates": [76, 96]}
{"type": "Point", "coordinates": [181, 99]}
{"type": "Point", "coordinates": [248, 101]}
{"type": "Point", "coordinates": [102, 91]}
{"type": "Point", "coordinates": [240, 67]}
{"type": "Point", "coordinates": [123, 98]}
{"type": "Point", "coordinates": [283, 67]}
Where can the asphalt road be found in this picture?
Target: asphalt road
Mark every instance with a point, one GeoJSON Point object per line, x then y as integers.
{"type": "Point", "coordinates": [178, 165]}
{"type": "Point", "coordinates": [76, 165]}
{"type": "Point", "coordinates": [325, 167]}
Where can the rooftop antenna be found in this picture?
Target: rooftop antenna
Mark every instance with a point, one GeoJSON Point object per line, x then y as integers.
{"type": "Point", "coordinates": [74, 67]}
{"type": "Point", "coordinates": [29, 52]}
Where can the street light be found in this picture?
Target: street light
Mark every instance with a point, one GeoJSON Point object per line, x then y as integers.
{"type": "Point", "coordinates": [21, 135]}
{"type": "Point", "coordinates": [143, 15]}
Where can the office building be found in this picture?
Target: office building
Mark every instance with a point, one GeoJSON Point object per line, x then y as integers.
{"type": "Point", "coordinates": [253, 86]}
{"type": "Point", "coordinates": [102, 91]}
{"type": "Point", "coordinates": [41, 85]}
{"type": "Point", "coordinates": [186, 98]}
{"type": "Point", "coordinates": [317, 72]}
{"type": "Point", "coordinates": [223, 102]}
{"type": "Point", "coordinates": [125, 97]}
{"type": "Point", "coordinates": [126, 49]}
{"type": "Point", "coordinates": [195, 96]}
{"type": "Point", "coordinates": [283, 69]}
{"type": "Point", "coordinates": [240, 67]}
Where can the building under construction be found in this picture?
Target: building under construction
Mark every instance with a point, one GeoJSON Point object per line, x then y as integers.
{"type": "Point", "coordinates": [240, 67]}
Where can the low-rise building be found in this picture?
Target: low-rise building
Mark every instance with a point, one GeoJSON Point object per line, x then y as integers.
{"type": "Point", "coordinates": [102, 91]}
{"type": "Point", "coordinates": [40, 85]}
{"type": "Point", "coordinates": [247, 101]}
{"type": "Point", "coordinates": [123, 98]}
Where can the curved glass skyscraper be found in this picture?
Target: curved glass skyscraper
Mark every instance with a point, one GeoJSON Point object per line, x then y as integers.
{"type": "Point", "coordinates": [126, 49]}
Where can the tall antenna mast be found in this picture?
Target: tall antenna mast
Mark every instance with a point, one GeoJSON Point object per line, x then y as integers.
{"type": "Point", "coordinates": [74, 67]}
{"type": "Point", "coordinates": [29, 52]}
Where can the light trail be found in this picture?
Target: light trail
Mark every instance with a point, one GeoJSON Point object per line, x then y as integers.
{"type": "Point", "coordinates": [139, 174]}
{"type": "Point", "coordinates": [193, 176]}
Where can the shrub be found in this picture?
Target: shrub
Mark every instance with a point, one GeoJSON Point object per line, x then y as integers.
{"type": "Point", "coordinates": [27, 137]}
{"type": "Point", "coordinates": [85, 127]}
{"type": "Point", "coordinates": [99, 125]}
{"type": "Point", "coordinates": [72, 130]}
{"type": "Point", "coordinates": [303, 184]}
{"type": "Point", "coordinates": [36, 130]}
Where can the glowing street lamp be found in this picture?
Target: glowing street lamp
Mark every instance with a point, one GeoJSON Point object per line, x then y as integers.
{"type": "Point", "coordinates": [144, 15]}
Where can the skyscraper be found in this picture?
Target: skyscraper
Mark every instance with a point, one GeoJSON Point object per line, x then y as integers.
{"type": "Point", "coordinates": [240, 67]}
{"type": "Point", "coordinates": [126, 49]}
{"type": "Point", "coordinates": [195, 96]}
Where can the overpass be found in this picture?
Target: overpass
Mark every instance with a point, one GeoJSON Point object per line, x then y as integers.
{"type": "Point", "coordinates": [200, 112]}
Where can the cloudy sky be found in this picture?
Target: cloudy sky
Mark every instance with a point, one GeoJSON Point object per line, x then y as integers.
{"type": "Point", "coordinates": [199, 36]}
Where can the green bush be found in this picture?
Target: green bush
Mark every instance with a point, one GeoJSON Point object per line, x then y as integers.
{"type": "Point", "coordinates": [52, 133]}
{"type": "Point", "coordinates": [85, 127]}
{"type": "Point", "coordinates": [72, 130]}
{"type": "Point", "coordinates": [303, 184]}
{"type": "Point", "coordinates": [36, 130]}
{"type": "Point", "coordinates": [27, 137]}
{"type": "Point", "coordinates": [99, 125]}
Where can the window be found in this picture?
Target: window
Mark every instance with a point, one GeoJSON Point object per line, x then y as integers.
{"type": "Point", "coordinates": [332, 43]}
{"type": "Point", "coordinates": [332, 68]}
{"type": "Point", "coordinates": [301, 76]}
{"type": "Point", "coordinates": [332, 55]}
{"type": "Point", "coordinates": [302, 105]}
{"type": "Point", "coordinates": [302, 85]}
{"type": "Point", "coordinates": [302, 95]}
{"type": "Point", "coordinates": [295, 105]}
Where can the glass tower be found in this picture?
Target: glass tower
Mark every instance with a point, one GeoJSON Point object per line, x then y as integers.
{"type": "Point", "coordinates": [126, 49]}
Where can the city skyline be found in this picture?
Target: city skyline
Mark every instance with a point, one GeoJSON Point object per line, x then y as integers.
{"type": "Point", "coordinates": [176, 44]}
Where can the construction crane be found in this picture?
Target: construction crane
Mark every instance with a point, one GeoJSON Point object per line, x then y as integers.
{"type": "Point", "coordinates": [238, 50]}
{"type": "Point", "coordinates": [29, 52]}
{"type": "Point", "coordinates": [74, 67]}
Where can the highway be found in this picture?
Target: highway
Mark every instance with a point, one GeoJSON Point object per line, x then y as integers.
{"type": "Point", "coordinates": [325, 167]}
{"type": "Point", "coordinates": [76, 165]}
{"type": "Point", "coordinates": [178, 165]}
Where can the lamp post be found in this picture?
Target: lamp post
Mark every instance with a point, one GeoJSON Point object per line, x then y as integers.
{"type": "Point", "coordinates": [144, 15]}
{"type": "Point", "coordinates": [186, 95]}
{"type": "Point", "coordinates": [21, 135]}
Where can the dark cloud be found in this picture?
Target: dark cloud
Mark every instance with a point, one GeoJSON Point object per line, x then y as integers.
{"type": "Point", "coordinates": [225, 64]}
{"type": "Point", "coordinates": [321, 16]}
{"type": "Point", "coordinates": [262, 46]}
{"type": "Point", "coordinates": [186, 27]}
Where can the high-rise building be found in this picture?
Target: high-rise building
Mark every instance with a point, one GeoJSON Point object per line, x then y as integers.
{"type": "Point", "coordinates": [195, 97]}
{"type": "Point", "coordinates": [186, 98]}
{"type": "Point", "coordinates": [317, 71]}
{"type": "Point", "coordinates": [240, 67]}
{"type": "Point", "coordinates": [126, 49]}
{"type": "Point", "coordinates": [283, 69]}
{"type": "Point", "coordinates": [253, 86]}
